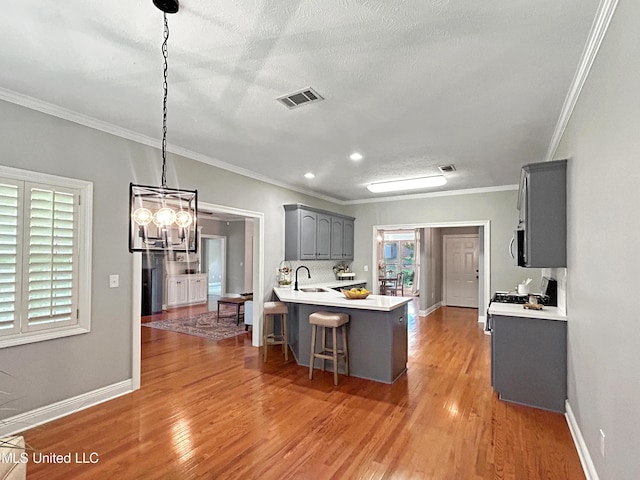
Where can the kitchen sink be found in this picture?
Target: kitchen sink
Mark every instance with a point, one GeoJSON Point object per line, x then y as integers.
{"type": "Point", "coordinates": [311, 290]}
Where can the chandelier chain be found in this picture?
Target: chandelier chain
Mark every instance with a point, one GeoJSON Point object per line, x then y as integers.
{"type": "Point", "coordinates": [165, 87]}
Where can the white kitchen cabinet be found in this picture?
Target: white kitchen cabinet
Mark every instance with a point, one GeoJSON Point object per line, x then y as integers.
{"type": "Point", "coordinates": [186, 289]}
{"type": "Point", "coordinates": [197, 288]}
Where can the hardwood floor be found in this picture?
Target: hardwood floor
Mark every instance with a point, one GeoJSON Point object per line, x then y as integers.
{"type": "Point", "coordinates": [214, 410]}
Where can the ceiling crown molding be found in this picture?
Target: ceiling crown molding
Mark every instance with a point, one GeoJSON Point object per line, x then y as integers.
{"type": "Point", "coordinates": [106, 127]}
{"type": "Point", "coordinates": [605, 12]}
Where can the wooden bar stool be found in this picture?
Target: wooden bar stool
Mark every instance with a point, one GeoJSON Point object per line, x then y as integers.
{"type": "Point", "coordinates": [329, 320]}
{"type": "Point", "coordinates": [269, 337]}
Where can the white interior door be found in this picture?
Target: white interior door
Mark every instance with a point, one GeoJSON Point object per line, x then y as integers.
{"type": "Point", "coordinates": [461, 270]}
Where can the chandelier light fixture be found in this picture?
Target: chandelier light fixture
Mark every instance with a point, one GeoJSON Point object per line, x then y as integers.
{"type": "Point", "coordinates": [163, 218]}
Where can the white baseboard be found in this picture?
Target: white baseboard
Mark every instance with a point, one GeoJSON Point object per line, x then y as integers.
{"type": "Point", "coordinates": [33, 418]}
{"type": "Point", "coordinates": [482, 319]}
{"type": "Point", "coordinates": [431, 309]}
{"type": "Point", "coordinates": [585, 457]}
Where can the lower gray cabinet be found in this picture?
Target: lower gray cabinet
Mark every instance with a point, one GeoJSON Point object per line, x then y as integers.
{"type": "Point", "coordinates": [529, 361]}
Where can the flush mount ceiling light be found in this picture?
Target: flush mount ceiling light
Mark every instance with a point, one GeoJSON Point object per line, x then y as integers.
{"type": "Point", "coordinates": [408, 184]}
{"type": "Point", "coordinates": [309, 175]}
{"type": "Point", "coordinates": [356, 156]}
{"type": "Point", "coordinates": [163, 218]}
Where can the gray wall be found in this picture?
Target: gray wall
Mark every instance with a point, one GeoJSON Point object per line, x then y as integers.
{"type": "Point", "coordinates": [55, 370]}
{"type": "Point", "coordinates": [431, 268]}
{"type": "Point", "coordinates": [497, 207]}
{"type": "Point", "coordinates": [602, 143]}
{"type": "Point", "coordinates": [234, 232]}
{"type": "Point", "coordinates": [235, 257]}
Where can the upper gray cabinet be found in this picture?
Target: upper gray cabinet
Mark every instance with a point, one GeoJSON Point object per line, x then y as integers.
{"type": "Point", "coordinates": [313, 234]}
{"type": "Point", "coordinates": [541, 237]}
{"type": "Point", "coordinates": [347, 239]}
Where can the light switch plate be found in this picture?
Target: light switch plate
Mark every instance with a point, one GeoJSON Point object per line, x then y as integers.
{"type": "Point", "coordinates": [114, 281]}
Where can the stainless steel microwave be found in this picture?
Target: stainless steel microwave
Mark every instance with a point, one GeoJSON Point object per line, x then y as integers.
{"type": "Point", "coordinates": [517, 248]}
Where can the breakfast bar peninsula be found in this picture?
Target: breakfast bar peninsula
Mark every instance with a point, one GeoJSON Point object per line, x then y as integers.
{"type": "Point", "coordinates": [377, 331]}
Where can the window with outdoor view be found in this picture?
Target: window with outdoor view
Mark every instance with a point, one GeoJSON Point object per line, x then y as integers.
{"type": "Point", "coordinates": [44, 256]}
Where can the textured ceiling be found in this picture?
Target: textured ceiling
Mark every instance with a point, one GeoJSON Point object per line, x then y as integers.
{"type": "Point", "coordinates": [410, 84]}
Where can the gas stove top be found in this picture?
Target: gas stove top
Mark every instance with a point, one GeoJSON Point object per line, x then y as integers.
{"type": "Point", "coordinates": [509, 297]}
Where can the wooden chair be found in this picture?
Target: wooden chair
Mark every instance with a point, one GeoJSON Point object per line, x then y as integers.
{"type": "Point", "coordinates": [392, 286]}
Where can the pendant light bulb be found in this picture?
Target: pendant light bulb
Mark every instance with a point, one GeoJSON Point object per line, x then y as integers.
{"type": "Point", "coordinates": [164, 217]}
{"type": "Point", "coordinates": [183, 219]}
{"type": "Point", "coordinates": [142, 216]}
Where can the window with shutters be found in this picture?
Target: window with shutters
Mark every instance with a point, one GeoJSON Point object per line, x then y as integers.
{"type": "Point", "coordinates": [45, 256]}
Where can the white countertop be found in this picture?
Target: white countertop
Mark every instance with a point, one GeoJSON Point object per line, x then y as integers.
{"type": "Point", "coordinates": [515, 310]}
{"type": "Point", "coordinates": [333, 298]}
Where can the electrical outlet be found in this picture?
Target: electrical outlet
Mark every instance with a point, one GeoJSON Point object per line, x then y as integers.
{"type": "Point", "coordinates": [366, 268]}
{"type": "Point", "coordinates": [602, 443]}
{"type": "Point", "coordinates": [114, 281]}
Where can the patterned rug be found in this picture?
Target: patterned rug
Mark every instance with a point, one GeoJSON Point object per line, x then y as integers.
{"type": "Point", "coordinates": [205, 325]}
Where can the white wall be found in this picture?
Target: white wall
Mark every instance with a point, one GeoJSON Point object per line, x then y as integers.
{"type": "Point", "coordinates": [602, 143]}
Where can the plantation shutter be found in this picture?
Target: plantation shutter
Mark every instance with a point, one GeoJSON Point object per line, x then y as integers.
{"type": "Point", "coordinates": [10, 257]}
{"type": "Point", "coordinates": [51, 263]}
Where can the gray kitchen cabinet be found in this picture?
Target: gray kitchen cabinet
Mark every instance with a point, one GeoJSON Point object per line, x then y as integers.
{"type": "Point", "coordinates": [323, 237]}
{"type": "Point", "coordinates": [341, 238]}
{"type": "Point", "coordinates": [347, 240]}
{"type": "Point", "coordinates": [529, 361]}
{"type": "Point", "coordinates": [313, 234]}
{"type": "Point", "coordinates": [305, 233]}
{"type": "Point", "coordinates": [337, 238]}
{"type": "Point", "coordinates": [542, 212]}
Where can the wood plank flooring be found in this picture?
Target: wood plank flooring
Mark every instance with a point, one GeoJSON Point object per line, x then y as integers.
{"type": "Point", "coordinates": [214, 410]}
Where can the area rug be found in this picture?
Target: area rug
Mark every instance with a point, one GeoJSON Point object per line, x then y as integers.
{"type": "Point", "coordinates": [205, 325]}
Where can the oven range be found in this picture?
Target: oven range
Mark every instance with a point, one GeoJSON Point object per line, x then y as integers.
{"type": "Point", "coordinates": [516, 298]}
{"type": "Point", "coordinates": [548, 297]}
{"type": "Point", "coordinates": [511, 297]}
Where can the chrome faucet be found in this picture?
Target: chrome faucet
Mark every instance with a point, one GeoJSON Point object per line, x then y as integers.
{"type": "Point", "coordinates": [295, 285]}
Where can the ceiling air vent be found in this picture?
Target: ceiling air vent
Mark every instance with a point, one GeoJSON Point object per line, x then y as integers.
{"type": "Point", "coordinates": [446, 168]}
{"type": "Point", "coordinates": [302, 97]}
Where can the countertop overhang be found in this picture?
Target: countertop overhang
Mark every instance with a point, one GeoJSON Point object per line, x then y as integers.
{"type": "Point", "coordinates": [515, 310]}
{"type": "Point", "coordinates": [333, 298]}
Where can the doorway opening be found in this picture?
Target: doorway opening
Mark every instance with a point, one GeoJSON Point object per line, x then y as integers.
{"type": "Point", "coordinates": [398, 257]}
{"type": "Point", "coordinates": [428, 257]}
{"type": "Point", "coordinates": [254, 249]}
{"type": "Point", "coordinates": [213, 260]}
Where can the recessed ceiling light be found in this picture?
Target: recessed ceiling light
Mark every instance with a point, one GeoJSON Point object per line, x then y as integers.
{"type": "Point", "coordinates": [309, 175]}
{"type": "Point", "coordinates": [409, 184]}
{"type": "Point", "coordinates": [356, 156]}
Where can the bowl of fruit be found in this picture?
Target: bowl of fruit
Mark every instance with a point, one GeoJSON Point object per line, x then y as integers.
{"type": "Point", "coordinates": [356, 293]}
